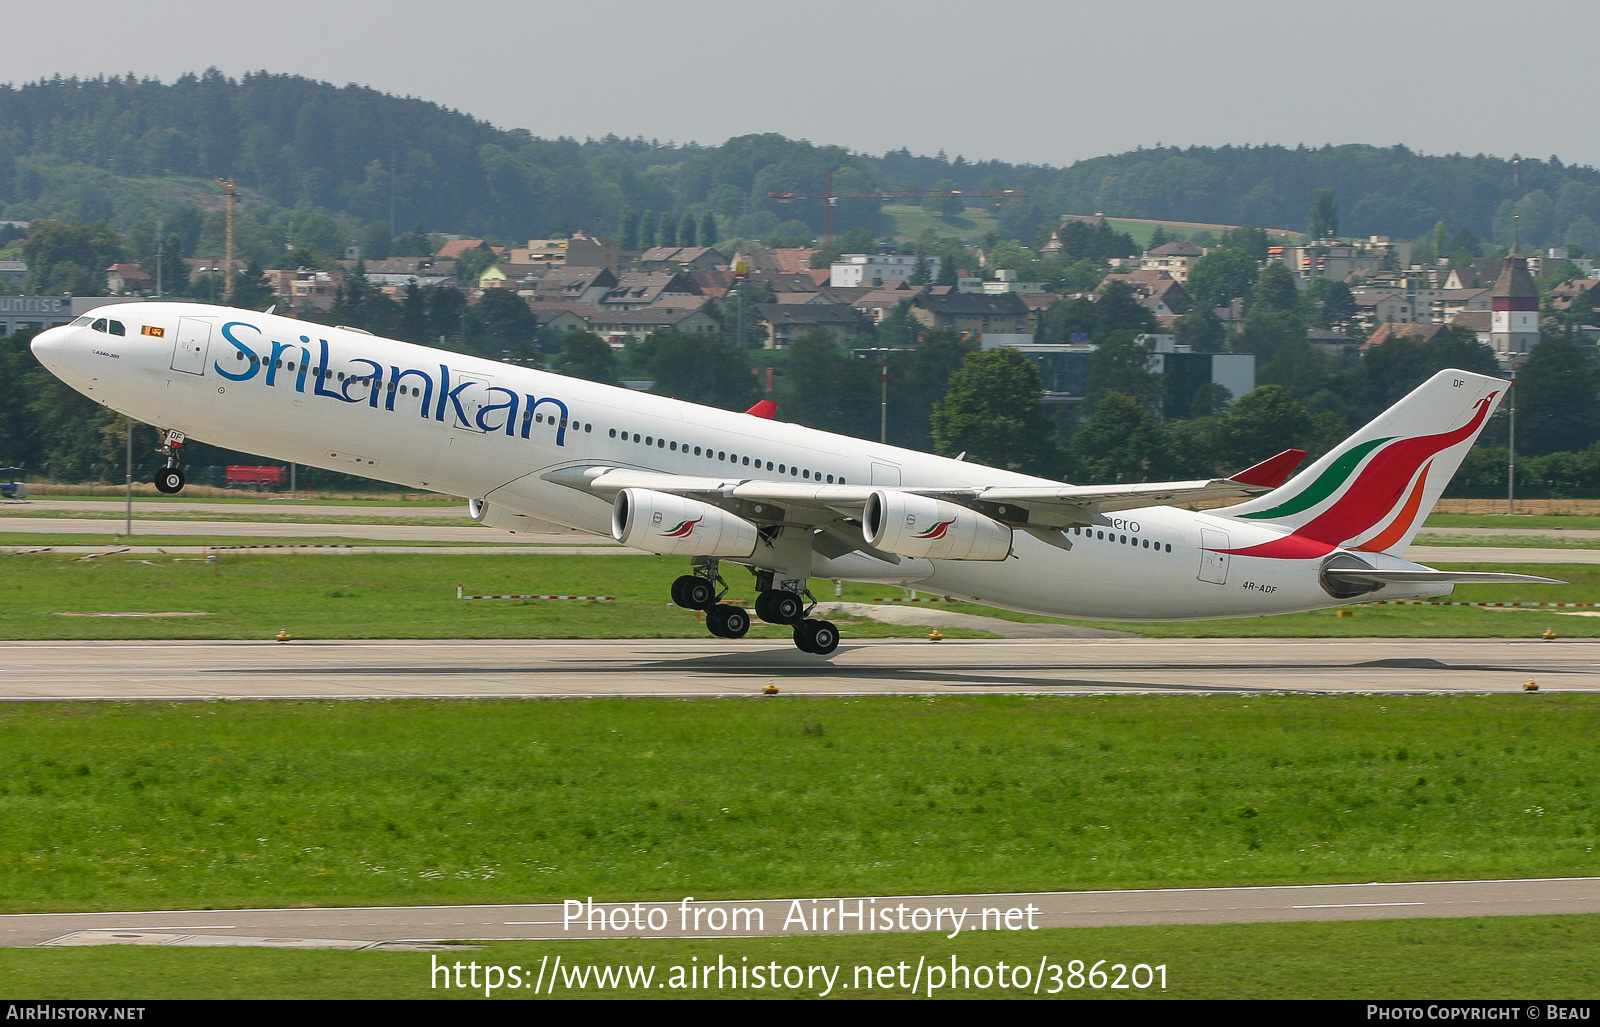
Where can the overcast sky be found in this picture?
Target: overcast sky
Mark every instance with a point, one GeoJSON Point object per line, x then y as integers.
{"type": "Point", "coordinates": [1026, 81]}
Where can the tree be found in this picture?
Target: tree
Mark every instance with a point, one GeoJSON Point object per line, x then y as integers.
{"type": "Point", "coordinates": [471, 264]}
{"type": "Point", "coordinates": [708, 229]}
{"type": "Point", "coordinates": [826, 388]}
{"type": "Point", "coordinates": [586, 355]}
{"type": "Point", "coordinates": [1250, 240]}
{"type": "Point", "coordinates": [627, 229]}
{"type": "Point", "coordinates": [1275, 289]}
{"type": "Point", "coordinates": [1221, 276]}
{"type": "Point", "coordinates": [360, 305]}
{"type": "Point", "coordinates": [1200, 330]}
{"type": "Point", "coordinates": [694, 366]}
{"type": "Point", "coordinates": [69, 257]}
{"type": "Point", "coordinates": [688, 230]}
{"type": "Point", "coordinates": [1121, 365]}
{"type": "Point", "coordinates": [1158, 238]}
{"type": "Point", "coordinates": [1264, 422]}
{"type": "Point", "coordinates": [917, 380]}
{"type": "Point", "coordinates": [667, 230]}
{"type": "Point", "coordinates": [1557, 408]}
{"type": "Point", "coordinates": [1332, 304]}
{"type": "Point", "coordinates": [919, 271]}
{"type": "Point", "coordinates": [1118, 310]}
{"type": "Point", "coordinates": [1066, 321]}
{"type": "Point", "coordinates": [1324, 215]}
{"type": "Point", "coordinates": [1122, 441]}
{"type": "Point", "coordinates": [506, 320]}
{"type": "Point", "coordinates": [994, 412]}
{"type": "Point", "coordinates": [857, 240]}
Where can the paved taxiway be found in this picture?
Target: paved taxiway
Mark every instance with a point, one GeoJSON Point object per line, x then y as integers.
{"type": "Point", "coordinates": [374, 669]}
{"type": "Point", "coordinates": [355, 927]}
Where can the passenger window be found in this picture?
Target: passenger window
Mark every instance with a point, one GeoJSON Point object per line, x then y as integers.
{"type": "Point", "coordinates": [636, 436]}
{"type": "Point", "coordinates": [697, 451]}
{"type": "Point", "coordinates": [1169, 547]}
{"type": "Point", "coordinates": [830, 479]}
{"type": "Point", "coordinates": [587, 428]}
{"type": "Point", "coordinates": [673, 447]}
{"type": "Point", "coordinates": [794, 471]}
{"type": "Point", "coordinates": [649, 441]}
{"type": "Point", "coordinates": [780, 468]}
{"type": "Point", "coordinates": [613, 433]}
{"type": "Point", "coordinates": [721, 455]}
{"type": "Point", "coordinates": [805, 474]}
{"type": "Point", "coordinates": [661, 443]}
{"type": "Point", "coordinates": [769, 465]}
{"type": "Point", "coordinates": [117, 329]}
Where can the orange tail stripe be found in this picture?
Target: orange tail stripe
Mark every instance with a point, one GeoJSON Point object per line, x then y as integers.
{"type": "Point", "coordinates": [1402, 523]}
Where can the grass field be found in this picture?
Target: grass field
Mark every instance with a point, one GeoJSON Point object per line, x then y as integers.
{"type": "Point", "coordinates": [1487, 958]}
{"type": "Point", "coordinates": [1511, 524]}
{"type": "Point", "coordinates": [426, 516]}
{"type": "Point", "coordinates": [375, 595]}
{"type": "Point", "coordinates": [31, 540]}
{"type": "Point", "coordinates": [183, 805]}
{"type": "Point", "coordinates": [910, 221]}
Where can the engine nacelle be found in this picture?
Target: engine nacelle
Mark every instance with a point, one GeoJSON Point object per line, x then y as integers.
{"type": "Point", "coordinates": [659, 522]}
{"type": "Point", "coordinates": [912, 525]}
{"type": "Point", "coordinates": [491, 516]}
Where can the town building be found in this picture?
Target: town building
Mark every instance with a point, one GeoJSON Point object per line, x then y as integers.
{"type": "Point", "coordinates": [1514, 302]}
{"type": "Point", "coordinates": [857, 269]}
{"type": "Point", "coordinates": [127, 278]}
{"type": "Point", "coordinates": [786, 322]}
{"type": "Point", "coordinates": [1005, 314]}
{"type": "Point", "coordinates": [1175, 258]}
{"type": "Point", "coordinates": [14, 274]}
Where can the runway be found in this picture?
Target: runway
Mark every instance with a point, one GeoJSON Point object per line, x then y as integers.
{"type": "Point", "coordinates": [377, 669]}
{"type": "Point", "coordinates": [362, 927]}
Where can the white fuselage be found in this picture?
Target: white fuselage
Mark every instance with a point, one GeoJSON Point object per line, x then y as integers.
{"type": "Point", "coordinates": [348, 401]}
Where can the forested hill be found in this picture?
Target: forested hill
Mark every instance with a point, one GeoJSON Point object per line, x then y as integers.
{"type": "Point", "coordinates": [71, 148]}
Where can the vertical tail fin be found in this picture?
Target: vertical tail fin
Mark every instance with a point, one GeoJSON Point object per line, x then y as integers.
{"type": "Point", "coordinates": [1372, 491]}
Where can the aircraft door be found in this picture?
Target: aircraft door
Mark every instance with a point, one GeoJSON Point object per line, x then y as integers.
{"type": "Point", "coordinates": [473, 398]}
{"type": "Point", "coordinates": [189, 348]}
{"type": "Point", "coordinates": [1213, 562]}
{"type": "Point", "coordinates": [885, 474]}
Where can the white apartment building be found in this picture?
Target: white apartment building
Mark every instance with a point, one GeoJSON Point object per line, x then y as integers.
{"type": "Point", "coordinates": [853, 270]}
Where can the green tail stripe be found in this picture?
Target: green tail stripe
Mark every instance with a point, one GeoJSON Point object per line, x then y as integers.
{"type": "Point", "coordinates": [1326, 484]}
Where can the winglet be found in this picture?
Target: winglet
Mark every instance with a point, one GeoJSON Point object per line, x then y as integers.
{"type": "Point", "coordinates": [768, 409]}
{"type": "Point", "coordinates": [1271, 472]}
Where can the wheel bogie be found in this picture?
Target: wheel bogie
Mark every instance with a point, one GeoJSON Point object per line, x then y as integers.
{"type": "Point", "coordinates": [726, 620]}
{"type": "Point", "coordinates": [776, 606]}
{"type": "Point", "coordinates": [818, 637]}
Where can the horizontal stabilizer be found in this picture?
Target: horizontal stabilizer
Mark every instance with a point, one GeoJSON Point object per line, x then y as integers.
{"type": "Point", "coordinates": [1273, 471]}
{"type": "Point", "coordinates": [1386, 577]}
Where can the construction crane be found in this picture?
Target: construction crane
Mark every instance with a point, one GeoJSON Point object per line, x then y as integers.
{"type": "Point", "coordinates": [830, 199]}
{"type": "Point", "coordinates": [227, 280]}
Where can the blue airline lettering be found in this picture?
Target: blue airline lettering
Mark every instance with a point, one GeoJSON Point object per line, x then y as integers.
{"type": "Point", "coordinates": [278, 350]}
{"type": "Point", "coordinates": [323, 377]}
{"type": "Point", "coordinates": [561, 425]}
{"type": "Point", "coordinates": [396, 376]}
{"type": "Point", "coordinates": [377, 376]}
{"type": "Point", "coordinates": [444, 386]}
{"type": "Point", "coordinates": [249, 354]}
{"type": "Point", "coordinates": [305, 365]}
{"type": "Point", "coordinates": [509, 406]}
{"type": "Point", "coordinates": [455, 401]}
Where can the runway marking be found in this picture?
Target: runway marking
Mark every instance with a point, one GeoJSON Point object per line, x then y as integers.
{"type": "Point", "coordinates": [1351, 905]}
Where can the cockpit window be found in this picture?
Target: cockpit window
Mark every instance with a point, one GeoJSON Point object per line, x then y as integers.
{"type": "Point", "coordinates": [117, 329]}
{"type": "Point", "coordinates": [85, 319]}
{"type": "Point", "coordinates": [99, 325]}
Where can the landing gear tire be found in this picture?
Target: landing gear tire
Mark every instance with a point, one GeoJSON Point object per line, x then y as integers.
{"type": "Point", "coordinates": [169, 481]}
{"type": "Point", "coordinates": [728, 621]}
{"type": "Point", "coordinates": [694, 593]}
{"type": "Point", "coordinates": [816, 636]}
{"type": "Point", "coordinates": [776, 606]}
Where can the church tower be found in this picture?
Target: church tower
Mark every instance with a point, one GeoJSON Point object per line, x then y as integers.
{"type": "Point", "coordinates": [1514, 322]}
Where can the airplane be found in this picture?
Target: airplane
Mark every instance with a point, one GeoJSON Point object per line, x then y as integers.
{"type": "Point", "coordinates": [536, 451]}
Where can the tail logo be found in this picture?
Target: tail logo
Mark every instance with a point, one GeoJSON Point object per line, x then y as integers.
{"type": "Point", "coordinates": [1372, 495]}
{"type": "Point", "coordinates": [683, 530]}
{"type": "Point", "coordinates": [937, 532]}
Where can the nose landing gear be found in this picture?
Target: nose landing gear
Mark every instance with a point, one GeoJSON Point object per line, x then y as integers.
{"type": "Point", "coordinates": [169, 480]}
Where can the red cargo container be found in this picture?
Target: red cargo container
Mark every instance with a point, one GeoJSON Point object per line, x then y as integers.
{"type": "Point", "coordinates": [257, 479]}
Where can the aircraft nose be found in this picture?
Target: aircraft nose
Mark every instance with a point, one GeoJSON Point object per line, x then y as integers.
{"type": "Point", "coordinates": [49, 347]}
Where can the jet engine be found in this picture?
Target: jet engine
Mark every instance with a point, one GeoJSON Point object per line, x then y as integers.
{"type": "Point", "coordinates": [659, 522]}
{"type": "Point", "coordinates": [491, 515]}
{"type": "Point", "coordinates": [913, 525]}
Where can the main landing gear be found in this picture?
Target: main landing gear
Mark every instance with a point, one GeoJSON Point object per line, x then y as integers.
{"type": "Point", "coordinates": [705, 589]}
{"type": "Point", "coordinates": [169, 480]}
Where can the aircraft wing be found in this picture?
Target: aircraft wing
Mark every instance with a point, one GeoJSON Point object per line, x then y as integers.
{"type": "Point", "coordinates": [1027, 506]}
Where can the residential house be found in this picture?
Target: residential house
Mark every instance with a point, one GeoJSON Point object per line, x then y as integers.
{"type": "Point", "coordinates": [127, 278]}
{"type": "Point", "coordinates": [635, 289]}
{"type": "Point", "coordinates": [1376, 308]}
{"type": "Point", "coordinates": [1175, 258]}
{"type": "Point", "coordinates": [1391, 330]}
{"type": "Point", "coordinates": [1479, 322]}
{"type": "Point", "coordinates": [574, 285]}
{"type": "Point", "coordinates": [453, 249]}
{"type": "Point", "coordinates": [1005, 314]}
{"type": "Point", "coordinates": [1480, 274]}
{"type": "Point", "coordinates": [305, 288]}
{"type": "Point", "coordinates": [619, 326]}
{"type": "Point", "coordinates": [787, 322]}
{"type": "Point", "coordinates": [786, 260]}
{"type": "Point", "coordinates": [1157, 291]}
{"type": "Point", "coordinates": [1455, 301]}
{"type": "Point", "coordinates": [680, 258]}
